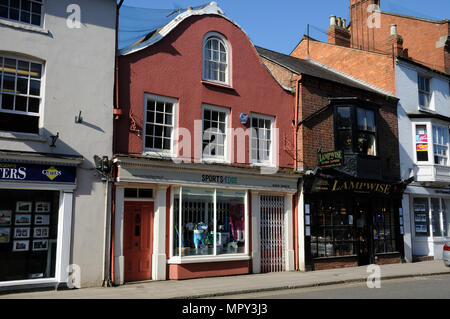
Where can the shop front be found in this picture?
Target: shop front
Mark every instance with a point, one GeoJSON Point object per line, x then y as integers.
{"type": "Point", "coordinates": [35, 219]}
{"type": "Point", "coordinates": [428, 221]}
{"type": "Point", "coordinates": [352, 222]}
{"type": "Point", "coordinates": [180, 221]}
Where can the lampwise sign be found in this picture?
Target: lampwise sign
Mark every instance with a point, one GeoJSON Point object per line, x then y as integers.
{"type": "Point", "coordinates": [331, 159]}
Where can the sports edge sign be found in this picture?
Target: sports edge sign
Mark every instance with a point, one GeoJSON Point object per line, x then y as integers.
{"type": "Point", "coordinates": [37, 173]}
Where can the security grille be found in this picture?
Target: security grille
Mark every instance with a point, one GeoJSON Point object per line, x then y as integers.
{"type": "Point", "coordinates": [272, 234]}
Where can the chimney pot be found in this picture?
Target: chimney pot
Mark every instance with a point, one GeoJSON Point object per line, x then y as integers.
{"type": "Point", "coordinates": [344, 23]}
{"type": "Point", "coordinates": [339, 21]}
{"type": "Point", "coordinates": [332, 20]}
{"type": "Point", "coordinates": [393, 29]}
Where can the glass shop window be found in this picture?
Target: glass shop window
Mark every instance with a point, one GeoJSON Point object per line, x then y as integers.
{"type": "Point", "coordinates": [384, 228]}
{"type": "Point", "coordinates": [332, 228]}
{"type": "Point", "coordinates": [28, 234]}
{"type": "Point", "coordinates": [421, 217]}
{"type": "Point", "coordinates": [209, 225]}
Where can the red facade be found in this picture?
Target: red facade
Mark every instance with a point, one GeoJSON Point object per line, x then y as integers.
{"type": "Point", "coordinates": [172, 68]}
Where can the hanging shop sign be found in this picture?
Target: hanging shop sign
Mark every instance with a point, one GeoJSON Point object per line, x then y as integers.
{"type": "Point", "coordinates": [353, 186]}
{"type": "Point", "coordinates": [21, 172]}
{"type": "Point", "coordinates": [331, 159]}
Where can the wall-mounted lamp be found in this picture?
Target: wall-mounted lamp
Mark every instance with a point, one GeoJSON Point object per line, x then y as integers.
{"type": "Point", "coordinates": [54, 138]}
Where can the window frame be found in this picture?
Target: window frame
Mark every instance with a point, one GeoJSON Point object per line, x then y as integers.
{"type": "Point", "coordinates": [420, 91]}
{"type": "Point", "coordinates": [441, 214]}
{"type": "Point", "coordinates": [430, 124]}
{"type": "Point", "coordinates": [224, 41]}
{"type": "Point", "coordinates": [151, 151]}
{"type": "Point", "coordinates": [23, 23]}
{"type": "Point", "coordinates": [254, 161]}
{"type": "Point", "coordinates": [354, 130]}
{"type": "Point", "coordinates": [41, 97]}
{"type": "Point", "coordinates": [435, 145]}
{"type": "Point", "coordinates": [178, 259]}
{"type": "Point", "coordinates": [226, 158]}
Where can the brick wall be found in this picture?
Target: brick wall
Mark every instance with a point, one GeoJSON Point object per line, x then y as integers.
{"type": "Point", "coordinates": [420, 36]}
{"type": "Point", "coordinates": [318, 133]}
{"type": "Point", "coordinates": [335, 263]}
{"type": "Point", "coordinates": [374, 68]}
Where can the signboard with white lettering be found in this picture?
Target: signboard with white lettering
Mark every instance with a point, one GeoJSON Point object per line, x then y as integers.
{"type": "Point", "coordinates": [22, 172]}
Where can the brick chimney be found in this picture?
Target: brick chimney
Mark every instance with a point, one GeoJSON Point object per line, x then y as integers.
{"type": "Point", "coordinates": [395, 42]}
{"type": "Point", "coordinates": [362, 35]}
{"type": "Point", "coordinates": [337, 32]}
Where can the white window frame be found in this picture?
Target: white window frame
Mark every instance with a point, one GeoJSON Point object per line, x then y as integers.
{"type": "Point", "coordinates": [427, 93]}
{"type": "Point", "coordinates": [226, 158]}
{"type": "Point", "coordinates": [42, 80]}
{"type": "Point", "coordinates": [254, 161]}
{"type": "Point", "coordinates": [156, 151]}
{"type": "Point", "coordinates": [222, 39]}
{"type": "Point", "coordinates": [441, 213]}
{"type": "Point", "coordinates": [19, 22]}
{"type": "Point", "coordinates": [446, 130]}
{"type": "Point", "coordinates": [427, 125]}
{"type": "Point", "coordinates": [205, 258]}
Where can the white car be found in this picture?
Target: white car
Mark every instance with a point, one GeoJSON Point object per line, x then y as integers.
{"type": "Point", "coordinates": [446, 255]}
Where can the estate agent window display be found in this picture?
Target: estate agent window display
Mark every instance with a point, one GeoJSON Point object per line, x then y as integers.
{"type": "Point", "coordinates": [28, 231]}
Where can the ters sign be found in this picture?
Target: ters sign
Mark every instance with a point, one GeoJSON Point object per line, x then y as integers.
{"type": "Point", "coordinates": [331, 159]}
{"type": "Point", "coordinates": [21, 172]}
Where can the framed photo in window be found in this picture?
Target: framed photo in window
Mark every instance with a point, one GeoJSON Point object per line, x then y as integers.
{"type": "Point", "coordinates": [22, 232]}
{"type": "Point", "coordinates": [5, 217]}
{"type": "Point", "coordinates": [22, 219]}
{"type": "Point", "coordinates": [41, 232]}
{"type": "Point", "coordinates": [5, 235]}
{"type": "Point", "coordinates": [42, 219]}
{"type": "Point", "coordinates": [42, 207]}
{"type": "Point", "coordinates": [24, 207]}
{"type": "Point", "coordinates": [21, 245]}
{"type": "Point", "coordinates": [40, 245]}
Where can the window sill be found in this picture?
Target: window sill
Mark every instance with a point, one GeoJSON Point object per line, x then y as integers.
{"type": "Point", "coordinates": [22, 137]}
{"type": "Point", "coordinates": [160, 155]}
{"type": "Point", "coordinates": [220, 85]}
{"type": "Point", "coordinates": [205, 259]}
{"type": "Point", "coordinates": [17, 25]}
{"type": "Point", "coordinates": [215, 161]}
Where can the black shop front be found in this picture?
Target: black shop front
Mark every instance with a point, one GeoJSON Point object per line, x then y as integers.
{"type": "Point", "coordinates": [352, 221]}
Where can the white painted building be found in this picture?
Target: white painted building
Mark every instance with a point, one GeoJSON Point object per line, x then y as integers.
{"type": "Point", "coordinates": [424, 123]}
{"type": "Point", "coordinates": [56, 100]}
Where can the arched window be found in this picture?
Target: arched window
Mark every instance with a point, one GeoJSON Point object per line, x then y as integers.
{"type": "Point", "coordinates": [216, 58]}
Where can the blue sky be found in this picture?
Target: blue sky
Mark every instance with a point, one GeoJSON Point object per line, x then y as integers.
{"type": "Point", "coordinates": [280, 24]}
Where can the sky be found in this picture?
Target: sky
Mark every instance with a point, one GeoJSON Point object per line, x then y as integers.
{"type": "Point", "coordinates": [279, 25]}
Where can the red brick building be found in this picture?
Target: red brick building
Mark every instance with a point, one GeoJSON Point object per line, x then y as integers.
{"type": "Point", "coordinates": [204, 155]}
{"type": "Point", "coordinates": [371, 29]}
{"type": "Point", "coordinates": [347, 142]}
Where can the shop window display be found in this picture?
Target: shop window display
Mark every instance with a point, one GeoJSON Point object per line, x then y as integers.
{"type": "Point", "coordinates": [212, 222]}
{"type": "Point", "coordinates": [332, 231]}
{"type": "Point", "coordinates": [28, 234]}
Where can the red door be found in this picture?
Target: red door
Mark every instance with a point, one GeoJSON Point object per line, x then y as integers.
{"type": "Point", "coordinates": [138, 241]}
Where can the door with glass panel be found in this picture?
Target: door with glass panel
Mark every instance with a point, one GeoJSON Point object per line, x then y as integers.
{"type": "Point", "coordinates": [273, 241]}
{"type": "Point", "coordinates": [138, 241]}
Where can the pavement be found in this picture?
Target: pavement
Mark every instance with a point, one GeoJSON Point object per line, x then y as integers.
{"type": "Point", "coordinates": [230, 285]}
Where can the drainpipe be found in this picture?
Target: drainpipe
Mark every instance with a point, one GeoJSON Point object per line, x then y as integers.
{"type": "Point", "coordinates": [116, 112]}
{"type": "Point", "coordinates": [298, 104]}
